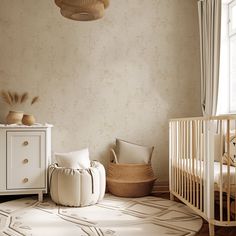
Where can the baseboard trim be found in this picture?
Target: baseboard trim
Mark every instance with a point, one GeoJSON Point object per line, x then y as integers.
{"type": "Point", "coordinates": [158, 187]}
{"type": "Point", "coordinates": [161, 187]}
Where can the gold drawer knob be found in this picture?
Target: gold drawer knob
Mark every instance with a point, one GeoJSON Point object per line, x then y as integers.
{"type": "Point", "coordinates": [25, 180]}
{"type": "Point", "coordinates": [25, 143]}
{"type": "Point", "coordinates": [25, 161]}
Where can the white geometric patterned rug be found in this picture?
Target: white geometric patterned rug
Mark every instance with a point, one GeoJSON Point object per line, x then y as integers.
{"type": "Point", "coordinates": [147, 216]}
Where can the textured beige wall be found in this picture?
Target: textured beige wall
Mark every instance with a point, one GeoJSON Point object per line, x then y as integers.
{"type": "Point", "coordinates": [122, 76]}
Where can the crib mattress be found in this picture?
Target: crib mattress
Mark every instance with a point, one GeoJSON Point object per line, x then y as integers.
{"type": "Point", "coordinates": [185, 164]}
{"type": "Point", "coordinates": [225, 177]}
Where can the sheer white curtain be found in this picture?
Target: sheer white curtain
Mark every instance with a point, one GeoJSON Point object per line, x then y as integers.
{"type": "Point", "coordinates": [223, 91]}
{"type": "Point", "coordinates": [209, 12]}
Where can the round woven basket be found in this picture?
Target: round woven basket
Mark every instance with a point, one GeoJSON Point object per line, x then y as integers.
{"type": "Point", "coordinates": [130, 180]}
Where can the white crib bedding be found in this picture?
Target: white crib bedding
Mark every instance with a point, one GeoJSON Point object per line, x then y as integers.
{"type": "Point", "coordinates": [225, 177]}
{"type": "Point", "coordinates": [186, 164]}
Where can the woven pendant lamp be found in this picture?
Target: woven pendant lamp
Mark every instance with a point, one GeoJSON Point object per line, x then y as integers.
{"type": "Point", "coordinates": [82, 10]}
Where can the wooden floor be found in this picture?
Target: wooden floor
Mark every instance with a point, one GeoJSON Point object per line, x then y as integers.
{"type": "Point", "coordinates": [219, 231]}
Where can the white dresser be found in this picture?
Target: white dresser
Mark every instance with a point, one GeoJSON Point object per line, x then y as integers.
{"type": "Point", "coordinates": [25, 153]}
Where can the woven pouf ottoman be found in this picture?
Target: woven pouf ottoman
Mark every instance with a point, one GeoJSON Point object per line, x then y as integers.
{"type": "Point", "coordinates": [77, 187]}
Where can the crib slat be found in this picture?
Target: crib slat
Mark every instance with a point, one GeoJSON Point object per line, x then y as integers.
{"type": "Point", "coordinates": [184, 164]}
{"type": "Point", "coordinates": [174, 161]}
{"type": "Point", "coordinates": [180, 153]}
{"type": "Point", "coordinates": [228, 171]}
{"type": "Point", "coordinates": [190, 162]}
{"type": "Point", "coordinates": [180, 163]}
{"type": "Point", "coordinates": [194, 163]}
{"type": "Point", "coordinates": [204, 164]}
{"type": "Point", "coordinates": [171, 158]}
{"type": "Point", "coordinates": [221, 177]}
{"type": "Point", "coordinates": [181, 158]}
{"type": "Point", "coordinates": [176, 141]}
{"type": "Point", "coordinates": [176, 156]}
{"type": "Point", "coordinates": [184, 192]}
{"type": "Point", "coordinates": [184, 159]}
{"type": "Point", "coordinates": [178, 170]}
{"type": "Point", "coordinates": [201, 165]}
{"type": "Point", "coordinates": [188, 152]}
{"type": "Point", "coordinates": [197, 163]}
{"type": "Point", "coordinates": [235, 176]}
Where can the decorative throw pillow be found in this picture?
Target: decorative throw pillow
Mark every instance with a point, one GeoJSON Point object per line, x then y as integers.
{"type": "Point", "coordinates": [75, 160]}
{"type": "Point", "coordinates": [133, 153]}
{"type": "Point", "coordinates": [232, 148]}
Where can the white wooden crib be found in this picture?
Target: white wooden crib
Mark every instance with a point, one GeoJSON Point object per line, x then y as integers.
{"type": "Point", "coordinates": [201, 171]}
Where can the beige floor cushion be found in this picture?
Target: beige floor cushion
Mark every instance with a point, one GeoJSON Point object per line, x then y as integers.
{"type": "Point", "coordinates": [77, 187]}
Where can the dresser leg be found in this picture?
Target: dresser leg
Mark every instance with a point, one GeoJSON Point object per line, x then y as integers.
{"type": "Point", "coordinates": [40, 196]}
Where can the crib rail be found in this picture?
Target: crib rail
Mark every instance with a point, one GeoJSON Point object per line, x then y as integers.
{"type": "Point", "coordinates": [201, 166]}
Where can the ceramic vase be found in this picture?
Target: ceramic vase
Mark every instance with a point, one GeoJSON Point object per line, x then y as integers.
{"type": "Point", "coordinates": [28, 119]}
{"type": "Point", "coordinates": [14, 117]}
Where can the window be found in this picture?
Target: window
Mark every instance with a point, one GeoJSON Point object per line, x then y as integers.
{"type": "Point", "coordinates": [232, 55]}
{"type": "Point", "coordinates": [232, 17]}
{"type": "Point", "coordinates": [227, 82]}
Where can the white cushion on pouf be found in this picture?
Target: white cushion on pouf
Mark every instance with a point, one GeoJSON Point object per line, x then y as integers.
{"type": "Point", "coordinates": [76, 160]}
{"type": "Point", "coordinates": [77, 187]}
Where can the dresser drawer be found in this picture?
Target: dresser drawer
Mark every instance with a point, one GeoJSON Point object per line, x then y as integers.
{"type": "Point", "coordinates": [26, 160]}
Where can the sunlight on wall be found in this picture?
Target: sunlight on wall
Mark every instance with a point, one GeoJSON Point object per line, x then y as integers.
{"type": "Point", "coordinates": [122, 76]}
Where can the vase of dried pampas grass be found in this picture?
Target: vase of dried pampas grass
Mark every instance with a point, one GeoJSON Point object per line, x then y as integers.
{"type": "Point", "coordinates": [29, 119]}
{"type": "Point", "coordinates": [14, 99]}
{"type": "Point", "coordinates": [14, 117]}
